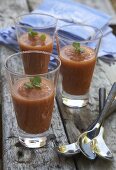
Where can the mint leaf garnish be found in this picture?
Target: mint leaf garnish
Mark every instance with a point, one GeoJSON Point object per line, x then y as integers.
{"type": "Point", "coordinates": [77, 47]}
{"type": "Point", "coordinates": [42, 37]}
{"type": "Point", "coordinates": [34, 82]}
{"type": "Point", "coordinates": [32, 33]}
{"type": "Point", "coordinates": [28, 85]}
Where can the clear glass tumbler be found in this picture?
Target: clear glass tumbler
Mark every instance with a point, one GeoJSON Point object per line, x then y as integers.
{"type": "Point", "coordinates": [32, 97]}
{"type": "Point", "coordinates": [78, 47]}
{"type": "Point", "coordinates": [35, 31]}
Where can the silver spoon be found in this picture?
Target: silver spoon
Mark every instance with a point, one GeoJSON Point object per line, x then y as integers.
{"type": "Point", "coordinates": [85, 138]}
{"type": "Point", "coordinates": [73, 149]}
{"type": "Point", "coordinates": [98, 144]}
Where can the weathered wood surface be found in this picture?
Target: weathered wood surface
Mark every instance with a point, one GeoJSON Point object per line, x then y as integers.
{"type": "Point", "coordinates": [75, 120]}
{"type": "Point", "coordinates": [14, 155]}
{"type": "Point", "coordinates": [17, 157]}
{"type": "Point", "coordinates": [0, 122]}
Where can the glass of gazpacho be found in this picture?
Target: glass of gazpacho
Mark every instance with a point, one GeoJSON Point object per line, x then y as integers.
{"type": "Point", "coordinates": [32, 97]}
{"type": "Point", "coordinates": [35, 31]}
{"type": "Point", "coordinates": [78, 47]}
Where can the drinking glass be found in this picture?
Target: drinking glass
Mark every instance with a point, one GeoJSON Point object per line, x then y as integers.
{"type": "Point", "coordinates": [32, 97]}
{"type": "Point", "coordinates": [78, 47]}
{"type": "Point", "coordinates": [35, 31]}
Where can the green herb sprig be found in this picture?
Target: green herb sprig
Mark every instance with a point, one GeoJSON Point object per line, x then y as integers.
{"type": "Point", "coordinates": [35, 82]}
{"type": "Point", "coordinates": [42, 37]}
{"type": "Point", "coordinates": [32, 33]}
{"type": "Point", "coordinates": [77, 47]}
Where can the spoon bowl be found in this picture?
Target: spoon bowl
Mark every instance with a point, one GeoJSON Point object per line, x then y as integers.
{"type": "Point", "coordinates": [85, 139]}
{"type": "Point", "coordinates": [100, 148]}
{"type": "Point", "coordinates": [85, 143]}
{"type": "Point", "coordinates": [69, 149]}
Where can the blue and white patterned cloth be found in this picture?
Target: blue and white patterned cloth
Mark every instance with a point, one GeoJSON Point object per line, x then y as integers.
{"type": "Point", "coordinates": [73, 12]}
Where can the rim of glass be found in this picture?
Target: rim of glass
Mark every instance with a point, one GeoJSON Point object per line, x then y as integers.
{"type": "Point", "coordinates": [29, 75]}
{"type": "Point", "coordinates": [42, 14]}
{"type": "Point", "coordinates": [80, 24]}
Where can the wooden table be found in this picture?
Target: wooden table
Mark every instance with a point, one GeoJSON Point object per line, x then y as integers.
{"type": "Point", "coordinates": [66, 123]}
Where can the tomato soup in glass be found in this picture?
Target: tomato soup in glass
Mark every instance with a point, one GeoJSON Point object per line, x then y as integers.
{"type": "Point", "coordinates": [32, 97]}
{"type": "Point", "coordinates": [78, 46]}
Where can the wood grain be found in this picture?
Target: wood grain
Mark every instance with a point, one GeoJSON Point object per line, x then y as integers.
{"type": "Point", "coordinates": [75, 121]}
{"type": "Point", "coordinates": [15, 156]}
{"type": "Point", "coordinates": [0, 123]}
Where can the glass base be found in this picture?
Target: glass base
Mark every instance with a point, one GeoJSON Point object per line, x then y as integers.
{"type": "Point", "coordinates": [32, 140]}
{"type": "Point", "coordinates": [75, 100]}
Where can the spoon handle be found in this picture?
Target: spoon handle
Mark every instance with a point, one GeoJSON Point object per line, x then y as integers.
{"type": "Point", "coordinates": [102, 98]}
{"type": "Point", "coordinates": [108, 103]}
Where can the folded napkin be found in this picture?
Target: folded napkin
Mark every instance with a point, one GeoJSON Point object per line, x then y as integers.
{"type": "Point", "coordinates": [70, 11]}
